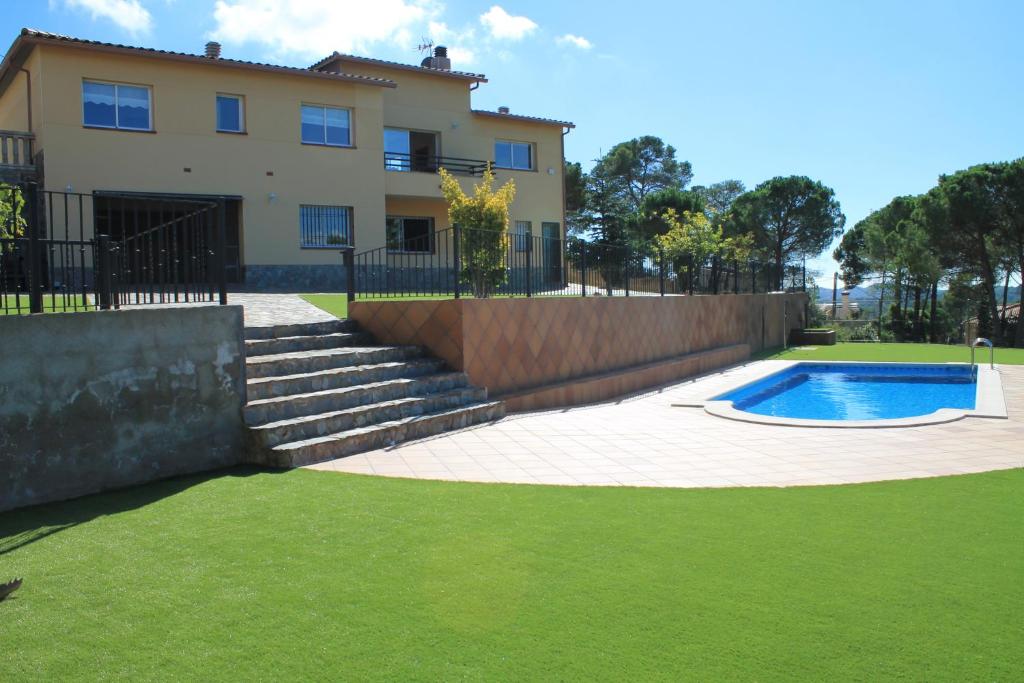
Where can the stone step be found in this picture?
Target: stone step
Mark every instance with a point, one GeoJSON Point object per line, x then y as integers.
{"type": "Point", "coordinates": [335, 378]}
{"type": "Point", "coordinates": [330, 446]}
{"type": "Point", "coordinates": [279, 408]}
{"type": "Point", "coordinates": [298, 362]}
{"type": "Point", "coordinates": [307, 427]}
{"type": "Point", "coordinates": [300, 329]}
{"type": "Point", "coordinates": [265, 347]}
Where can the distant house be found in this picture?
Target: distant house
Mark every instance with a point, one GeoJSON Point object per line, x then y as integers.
{"type": "Point", "coordinates": [1012, 314]}
{"type": "Point", "coordinates": [344, 152]}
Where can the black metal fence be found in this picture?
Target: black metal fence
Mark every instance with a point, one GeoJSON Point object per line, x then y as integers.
{"type": "Point", "coordinates": [462, 262]}
{"type": "Point", "coordinates": [66, 251]}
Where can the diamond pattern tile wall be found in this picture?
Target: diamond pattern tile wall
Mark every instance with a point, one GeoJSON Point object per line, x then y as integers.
{"type": "Point", "coordinates": [509, 345]}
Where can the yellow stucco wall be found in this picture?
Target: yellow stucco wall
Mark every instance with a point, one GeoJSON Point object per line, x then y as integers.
{"type": "Point", "coordinates": [183, 105]}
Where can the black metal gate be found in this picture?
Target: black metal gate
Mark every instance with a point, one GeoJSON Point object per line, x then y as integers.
{"type": "Point", "coordinates": [66, 251]}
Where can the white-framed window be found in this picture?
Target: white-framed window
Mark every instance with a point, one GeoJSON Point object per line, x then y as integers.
{"type": "Point", "coordinates": [514, 155]}
{"type": "Point", "coordinates": [117, 105]}
{"type": "Point", "coordinates": [523, 231]}
{"type": "Point", "coordinates": [230, 113]}
{"type": "Point", "coordinates": [323, 125]}
{"type": "Point", "coordinates": [410, 234]}
{"type": "Point", "coordinates": [324, 227]}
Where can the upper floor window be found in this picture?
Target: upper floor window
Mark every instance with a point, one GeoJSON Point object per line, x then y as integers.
{"type": "Point", "coordinates": [230, 114]}
{"type": "Point", "coordinates": [324, 226]}
{"type": "Point", "coordinates": [326, 125]}
{"type": "Point", "coordinates": [113, 105]}
{"type": "Point", "coordinates": [514, 155]}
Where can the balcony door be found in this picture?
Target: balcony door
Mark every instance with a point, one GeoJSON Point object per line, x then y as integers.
{"type": "Point", "coordinates": [410, 150]}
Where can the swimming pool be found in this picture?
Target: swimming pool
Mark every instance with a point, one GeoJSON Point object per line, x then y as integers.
{"type": "Point", "coordinates": [857, 391]}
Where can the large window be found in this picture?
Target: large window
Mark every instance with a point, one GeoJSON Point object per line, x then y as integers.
{"type": "Point", "coordinates": [230, 114]}
{"type": "Point", "coordinates": [324, 227]}
{"type": "Point", "coordinates": [410, 150]}
{"type": "Point", "coordinates": [113, 105]}
{"type": "Point", "coordinates": [410, 235]}
{"type": "Point", "coordinates": [523, 233]}
{"type": "Point", "coordinates": [326, 125]}
{"type": "Point", "coordinates": [514, 155]}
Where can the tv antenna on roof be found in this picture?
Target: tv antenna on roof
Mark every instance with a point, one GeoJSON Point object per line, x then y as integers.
{"type": "Point", "coordinates": [426, 46]}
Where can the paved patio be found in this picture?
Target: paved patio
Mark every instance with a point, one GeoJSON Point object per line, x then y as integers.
{"type": "Point", "coordinates": [646, 441]}
{"type": "Point", "coordinates": [264, 310]}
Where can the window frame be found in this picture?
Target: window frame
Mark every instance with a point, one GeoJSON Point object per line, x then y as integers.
{"type": "Point", "coordinates": [324, 107]}
{"type": "Point", "coordinates": [431, 235]}
{"type": "Point", "coordinates": [242, 130]}
{"type": "Point", "coordinates": [529, 145]}
{"type": "Point", "coordinates": [117, 85]}
{"type": "Point", "coordinates": [350, 227]}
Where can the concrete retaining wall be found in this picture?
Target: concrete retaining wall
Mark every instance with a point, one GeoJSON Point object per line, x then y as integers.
{"type": "Point", "coordinates": [513, 346]}
{"type": "Point", "coordinates": [93, 401]}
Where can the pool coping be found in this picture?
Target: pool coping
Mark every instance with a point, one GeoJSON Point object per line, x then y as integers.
{"type": "Point", "coordinates": [988, 403]}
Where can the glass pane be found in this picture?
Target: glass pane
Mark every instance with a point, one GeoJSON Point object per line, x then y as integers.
{"type": "Point", "coordinates": [396, 149]}
{"type": "Point", "coordinates": [229, 113]}
{"type": "Point", "coordinates": [521, 156]}
{"type": "Point", "coordinates": [417, 234]}
{"type": "Point", "coordinates": [313, 124]}
{"type": "Point", "coordinates": [522, 235]}
{"type": "Point", "coordinates": [132, 107]}
{"type": "Point", "coordinates": [395, 237]}
{"type": "Point", "coordinates": [337, 126]}
{"type": "Point", "coordinates": [98, 105]}
{"type": "Point", "coordinates": [503, 154]}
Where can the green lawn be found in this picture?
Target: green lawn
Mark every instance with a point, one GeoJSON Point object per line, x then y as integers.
{"type": "Point", "coordinates": [337, 304]}
{"type": "Point", "coordinates": [322, 576]}
{"type": "Point", "coordinates": [51, 303]}
{"type": "Point", "coordinates": [918, 353]}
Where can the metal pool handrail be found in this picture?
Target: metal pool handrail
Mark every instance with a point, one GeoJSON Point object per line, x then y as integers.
{"type": "Point", "coordinates": [981, 341]}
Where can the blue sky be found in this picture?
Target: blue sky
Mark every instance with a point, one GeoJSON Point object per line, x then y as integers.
{"type": "Point", "coordinates": [875, 99]}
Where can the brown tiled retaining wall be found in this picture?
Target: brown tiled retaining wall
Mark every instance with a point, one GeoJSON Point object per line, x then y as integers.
{"type": "Point", "coordinates": [516, 346]}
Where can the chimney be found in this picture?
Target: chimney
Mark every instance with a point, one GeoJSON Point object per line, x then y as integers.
{"type": "Point", "coordinates": [212, 50]}
{"type": "Point", "coordinates": [503, 110]}
{"type": "Point", "coordinates": [439, 60]}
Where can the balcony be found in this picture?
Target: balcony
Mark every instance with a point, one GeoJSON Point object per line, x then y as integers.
{"type": "Point", "coordinates": [17, 161]}
{"type": "Point", "coordinates": [428, 163]}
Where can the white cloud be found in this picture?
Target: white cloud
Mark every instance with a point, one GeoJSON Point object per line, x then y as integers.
{"type": "Point", "coordinates": [504, 26]}
{"type": "Point", "coordinates": [461, 57]}
{"type": "Point", "coordinates": [315, 28]}
{"type": "Point", "coordinates": [575, 41]}
{"type": "Point", "coordinates": [128, 14]}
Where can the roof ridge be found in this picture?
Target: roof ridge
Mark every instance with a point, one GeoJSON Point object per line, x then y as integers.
{"type": "Point", "coordinates": [49, 35]}
{"type": "Point", "coordinates": [386, 62]}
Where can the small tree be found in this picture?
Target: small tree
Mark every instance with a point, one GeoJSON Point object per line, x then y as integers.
{"type": "Point", "coordinates": [12, 215]}
{"type": "Point", "coordinates": [484, 220]}
{"type": "Point", "coordinates": [691, 236]}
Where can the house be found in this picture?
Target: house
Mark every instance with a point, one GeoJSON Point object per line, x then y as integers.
{"type": "Point", "coordinates": [344, 152]}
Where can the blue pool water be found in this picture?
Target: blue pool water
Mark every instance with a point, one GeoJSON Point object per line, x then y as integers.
{"type": "Point", "coordinates": [840, 391]}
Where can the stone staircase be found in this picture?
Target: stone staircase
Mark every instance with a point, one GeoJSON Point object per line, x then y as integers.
{"type": "Point", "coordinates": [320, 391]}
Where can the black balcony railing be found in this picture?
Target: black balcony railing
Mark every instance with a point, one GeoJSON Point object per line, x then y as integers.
{"type": "Point", "coordinates": [451, 263]}
{"type": "Point", "coordinates": [428, 163]}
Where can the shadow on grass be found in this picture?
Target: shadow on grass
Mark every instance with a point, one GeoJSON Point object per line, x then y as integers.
{"type": "Point", "coordinates": [24, 526]}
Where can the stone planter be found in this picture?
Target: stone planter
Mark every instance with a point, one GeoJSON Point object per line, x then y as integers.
{"type": "Point", "coordinates": [812, 338]}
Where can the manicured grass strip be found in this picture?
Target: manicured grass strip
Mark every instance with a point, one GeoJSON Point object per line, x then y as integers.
{"type": "Point", "coordinates": [910, 353]}
{"type": "Point", "coordinates": [337, 304]}
{"type": "Point", "coordinates": [321, 576]}
{"type": "Point", "coordinates": [52, 303]}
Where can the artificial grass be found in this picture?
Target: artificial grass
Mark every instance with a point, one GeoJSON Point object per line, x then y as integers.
{"type": "Point", "coordinates": [337, 304]}
{"type": "Point", "coordinates": [322, 576]}
{"type": "Point", "coordinates": [18, 304]}
{"type": "Point", "coordinates": [917, 353]}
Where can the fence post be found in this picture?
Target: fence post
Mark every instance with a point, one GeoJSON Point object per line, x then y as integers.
{"type": "Point", "coordinates": [626, 269]}
{"type": "Point", "coordinates": [753, 278]}
{"type": "Point", "coordinates": [661, 270]}
{"type": "Point", "coordinates": [689, 274]}
{"type": "Point", "coordinates": [103, 284]}
{"type": "Point", "coordinates": [348, 259]}
{"type": "Point", "coordinates": [457, 258]}
{"type": "Point", "coordinates": [529, 264]}
{"type": "Point", "coordinates": [735, 276]}
{"type": "Point", "coordinates": [583, 267]}
{"type": "Point", "coordinates": [35, 254]}
{"type": "Point", "coordinates": [222, 245]}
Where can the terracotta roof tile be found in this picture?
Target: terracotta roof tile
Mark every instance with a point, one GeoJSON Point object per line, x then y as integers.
{"type": "Point", "coordinates": [465, 75]}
